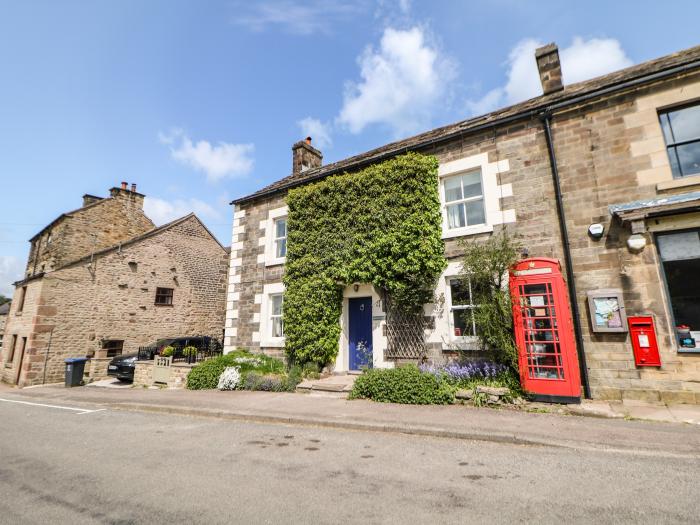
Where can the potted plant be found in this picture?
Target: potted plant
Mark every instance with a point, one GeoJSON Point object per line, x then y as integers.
{"type": "Point", "coordinates": [190, 353]}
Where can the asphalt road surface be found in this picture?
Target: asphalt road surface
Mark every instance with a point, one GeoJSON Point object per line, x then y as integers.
{"type": "Point", "coordinates": [75, 466]}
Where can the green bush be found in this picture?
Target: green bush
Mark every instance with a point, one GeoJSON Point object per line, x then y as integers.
{"type": "Point", "coordinates": [381, 225]}
{"type": "Point", "coordinates": [406, 384]}
{"type": "Point", "coordinates": [206, 375]}
{"type": "Point", "coordinates": [168, 351]}
{"type": "Point", "coordinates": [189, 351]}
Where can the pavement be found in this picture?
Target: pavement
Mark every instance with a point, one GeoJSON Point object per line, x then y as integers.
{"type": "Point", "coordinates": [556, 428]}
{"type": "Point", "coordinates": [89, 462]}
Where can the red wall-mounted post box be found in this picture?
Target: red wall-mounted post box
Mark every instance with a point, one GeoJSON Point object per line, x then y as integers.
{"type": "Point", "coordinates": [643, 334]}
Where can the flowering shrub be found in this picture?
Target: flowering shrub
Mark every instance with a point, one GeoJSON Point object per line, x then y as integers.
{"type": "Point", "coordinates": [457, 372]}
{"type": "Point", "coordinates": [253, 361]}
{"type": "Point", "coordinates": [230, 378]}
{"type": "Point", "coordinates": [470, 375]}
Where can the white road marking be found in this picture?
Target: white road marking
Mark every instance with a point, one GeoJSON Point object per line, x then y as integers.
{"type": "Point", "coordinates": [91, 411]}
{"type": "Point", "coordinates": [79, 410]}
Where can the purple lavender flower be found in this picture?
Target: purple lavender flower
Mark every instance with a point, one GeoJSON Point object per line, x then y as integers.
{"type": "Point", "coordinates": [463, 372]}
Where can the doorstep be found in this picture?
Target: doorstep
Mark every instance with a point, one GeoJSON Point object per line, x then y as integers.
{"type": "Point", "coordinates": [340, 385]}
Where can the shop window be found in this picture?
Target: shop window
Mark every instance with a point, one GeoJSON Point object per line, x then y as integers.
{"type": "Point", "coordinates": [680, 260]}
{"type": "Point", "coordinates": [681, 128]}
{"type": "Point", "coordinates": [462, 308]}
{"type": "Point", "coordinates": [277, 328]}
{"type": "Point", "coordinates": [164, 296]}
{"type": "Point", "coordinates": [464, 200]}
{"type": "Point", "coordinates": [113, 348]}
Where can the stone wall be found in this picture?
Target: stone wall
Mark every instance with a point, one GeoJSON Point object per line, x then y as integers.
{"type": "Point", "coordinates": [143, 374]}
{"type": "Point", "coordinates": [611, 153]}
{"type": "Point", "coordinates": [92, 228]}
{"type": "Point", "coordinates": [3, 319]}
{"type": "Point", "coordinates": [113, 298]}
{"type": "Point", "coordinates": [96, 368]}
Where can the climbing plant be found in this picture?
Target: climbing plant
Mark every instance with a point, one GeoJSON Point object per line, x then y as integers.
{"type": "Point", "coordinates": [486, 264]}
{"type": "Point", "coordinates": [381, 225]}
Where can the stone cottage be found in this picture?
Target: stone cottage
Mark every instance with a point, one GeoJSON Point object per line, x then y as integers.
{"type": "Point", "coordinates": [602, 175]}
{"type": "Point", "coordinates": [103, 280]}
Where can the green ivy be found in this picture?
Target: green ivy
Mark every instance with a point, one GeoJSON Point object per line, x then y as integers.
{"type": "Point", "coordinates": [381, 225]}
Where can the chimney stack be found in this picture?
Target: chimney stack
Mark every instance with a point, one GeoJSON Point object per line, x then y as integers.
{"type": "Point", "coordinates": [305, 156]}
{"type": "Point", "coordinates": [550, 68]}
{"type": "Point", "coordinates": [127, 194]}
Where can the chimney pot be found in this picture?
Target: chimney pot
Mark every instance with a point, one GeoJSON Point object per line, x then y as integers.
{"type": "Point", "coordinates": [549, 67]}
{"type": "Point", "coordinates": [124, 185]}
{"type": "Point", "coordinates": [308, 140]}
{"type": "Point", "coordinates": [133, 187]}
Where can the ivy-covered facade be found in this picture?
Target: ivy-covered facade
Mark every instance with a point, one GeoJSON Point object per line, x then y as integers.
{"type": "Point", "coordinates": [607, 144]}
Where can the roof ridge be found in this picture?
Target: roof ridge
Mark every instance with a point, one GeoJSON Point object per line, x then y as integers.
{"type": "Point", "coordinates": [493, 118]}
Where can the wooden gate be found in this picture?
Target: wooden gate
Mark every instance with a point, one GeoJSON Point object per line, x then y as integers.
{"type": "Point", "coordinates": [161, 369]}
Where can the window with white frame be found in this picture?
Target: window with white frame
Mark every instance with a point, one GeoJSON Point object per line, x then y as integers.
{"type": "Point", "coordinates": [275, 236]}
{"type": "Point", "coordinates": [275, 309]}
{"type": "Point", "coordinates": [280, 237]}
{"type": "Point", "coordinates": [461, 308]}
{"type": "Point", "coordinates": [464, 200]}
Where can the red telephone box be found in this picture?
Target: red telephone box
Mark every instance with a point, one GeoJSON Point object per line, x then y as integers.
{"type": "Point", "coordinates": [544, 332]}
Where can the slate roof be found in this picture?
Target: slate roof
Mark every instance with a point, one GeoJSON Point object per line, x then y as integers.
{"type": "Point", "coordinates": [124, 244]}
{"type": "Point", "coordinates": [75, 212]}
{"type": "Point", "coordinates": [651, 70]}
{"type": "Point", "coordinates": [5, 308]}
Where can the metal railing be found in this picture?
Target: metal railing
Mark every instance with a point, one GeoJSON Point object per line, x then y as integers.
{"type": "Point", "coordinates": [209, 348]}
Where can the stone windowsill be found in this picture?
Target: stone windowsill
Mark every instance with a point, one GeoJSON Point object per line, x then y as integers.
{"type": "Point", "coordinates": [685, 182]}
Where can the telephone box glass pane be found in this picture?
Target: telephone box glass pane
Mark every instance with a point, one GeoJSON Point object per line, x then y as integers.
{"type": "Point", "coordinates": [544, 360]}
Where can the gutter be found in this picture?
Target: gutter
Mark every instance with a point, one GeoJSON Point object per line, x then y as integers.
{"type": "Point", "coordinates": [568, 263]}
{"type": "Point", "coordinates": [525, 115]}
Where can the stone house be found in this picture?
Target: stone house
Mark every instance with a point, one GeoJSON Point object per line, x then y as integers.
{"type": "Point", "coordinates": [602, 175]}
{"type": "Point", "coordinates": [103, 280]}
{"type": "Point", "coordinates": [4, 309]}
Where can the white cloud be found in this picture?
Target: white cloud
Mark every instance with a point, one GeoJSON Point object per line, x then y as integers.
{"type": "Point", "coordinates": [161, 211]}
{"type": "Point", "coordinates": [402, 83]}
{"type": "Point", "coordinates": [317, 130]}
{"type": "Point", "coordinates": [217, 161]}
{"type": "Point", "coordinates": [301, 18]}
{"type": "Point", "coordinates": [582, 60]}
{"type": "Point", "coordinates": [11, 270]}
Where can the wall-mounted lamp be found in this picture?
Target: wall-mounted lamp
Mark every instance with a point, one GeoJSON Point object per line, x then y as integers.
{"type": "Point", "coordinates": [596, 230]}
{"type": "Point", "coordinates": [636, 242]}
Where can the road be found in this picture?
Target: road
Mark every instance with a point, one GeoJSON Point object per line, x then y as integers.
{"type": "Point", "coordinates": [63, 465]}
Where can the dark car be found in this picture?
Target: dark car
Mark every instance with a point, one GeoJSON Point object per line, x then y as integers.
{"type": "Point", "coordinates": [122, 367]}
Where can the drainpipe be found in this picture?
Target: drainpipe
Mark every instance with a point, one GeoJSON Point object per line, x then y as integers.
{"type": "Point", "coordinates": [573, 299]}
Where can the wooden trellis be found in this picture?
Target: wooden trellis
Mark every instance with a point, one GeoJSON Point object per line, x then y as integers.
{"type": "Point", "coordinates": [405, 333]}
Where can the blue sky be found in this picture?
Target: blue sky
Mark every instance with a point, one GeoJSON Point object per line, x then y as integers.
{"type": "Point", "coordinates": [200, 102]}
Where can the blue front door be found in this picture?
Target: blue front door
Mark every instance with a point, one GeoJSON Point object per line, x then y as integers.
{"type": "Point", "coordinates": [360, 332]}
